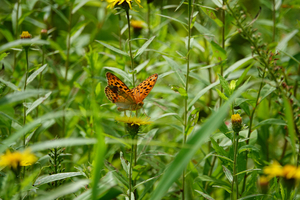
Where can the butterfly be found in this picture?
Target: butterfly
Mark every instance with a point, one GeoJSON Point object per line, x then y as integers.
{"type": "Point", "coordinates": [128, 99]}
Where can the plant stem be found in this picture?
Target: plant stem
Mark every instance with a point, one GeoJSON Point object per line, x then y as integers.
{"type": "Point", "coordinates": [149, 27]}
{"type": "Point", "coordinates": [274, 21]}
{"type": "Point", "coordinates": [234, 179]}
{"type": "Point", "coordinates": [186, 90]}
{"type": "Point", "coordinates": [40, 77]}
{"type": "Point", "coordinates": [67, 65]}
{"type": "Point", "coordinates": [130, 168]}
{"type": "Point", "coordinates": [223, 46]}
{"type": "Point", "coordinates": [17, 30]}
{"type": "Point", "coordinates": [25, 84]}
{"type": "Point", "coordinates": [129, 43]}
{"type": "Point", "coordinates": [68, 41]}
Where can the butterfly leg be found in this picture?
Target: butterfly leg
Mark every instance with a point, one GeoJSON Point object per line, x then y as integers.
{"type": "Point", "coordinates": [125, 113]}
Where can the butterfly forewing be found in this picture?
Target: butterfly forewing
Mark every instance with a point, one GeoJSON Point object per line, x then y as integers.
{"type": "Point", "coordinates": [141, 91]}
{"type": "Point", "coordinates": [119, 88]}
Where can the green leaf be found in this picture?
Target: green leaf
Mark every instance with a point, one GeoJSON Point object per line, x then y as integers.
{"type": "Point", "coordinates": [113, 48]}
{"type": "Point", "coordinates": [125, 166]}
{"type": "Point", "coordinates": [224, 85]}
{"type": "Point", "coordinates": [55, 177]}
{"type": "Point", "coordinates": [271, 121]}
{"type": "Point", "coordinates": [206, 196]}
{"type": "Point", "coordinates": [117, 174]}
{"type": "Point", "coordinates": [34, 74]}
{"type": "Point", "coordinates": [218, 149]}
{"type": "Point", "coordinates": [65, 142]}
{"type": "Point", "coordinates": [227, 174]}
{"type": "Point", "coordinates": [19, 96]}
{"type": "Point", "coordinates": [239, 64]}
{"type": "Point", "coordinates": [203, 30]}
{"type": "Point", "coordinates": [37, 102]}
{"type": "Point", "coordinates": [146, 140]}
{"type": "Point", "coordinates": [218, 51]}
{"type": "Point", "coordinates": [266, 90]}
{"type": "Point", "coordinates": [175, 169]}
{"type": "Point", "coordinates": [64, 190]}
{"type": "Point", "coordinates": [9, 84]}
{"type": "Point", "coordinates": [284, 42]}
{"type": "Point", "coordinates": [22, 42]}
{"type": "Point", "coordinates": [214, 180]}
{"type": "Point", "coordinates": [222, 95]}
{"type": "Point", "coordinates": [2, 56]}
{"type": "Point", "coordinates": [144, 47]}
{"type": "Point", "coordinates": [174, 19]}
{"type": "Point", "coordinates": [141, 66]}
{"type": "Point", "coordinates": [177, 69]}
{"type": "Point", "coordinates": [290, 122]}
{"type": "Point", "coordinates": [211, 14]}
{"type": "Point", "coordinates": [241, 78]}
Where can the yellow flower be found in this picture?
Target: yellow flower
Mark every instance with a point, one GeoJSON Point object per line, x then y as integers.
{"type": "Point", "coordinates": [25, 35]}
{"type": "Point", "coordinates": [290, 171]}
{"type": "Point", "coordinates": [287, 171]}
{"type": "Point", "coordinates": [133, 124]}
{"type": "Point", "coordinates": [17, 159]}
{"type": "Point", "coordinates": [236, 121]}
{"type": "Point", "coordinates": [137, 24]}
{"type": "Point", "coordinates": [112, 3]}
{"type": "Point", "coordinates": [134, 120]}
{"type": "Point", "coordinates": [275, 169]}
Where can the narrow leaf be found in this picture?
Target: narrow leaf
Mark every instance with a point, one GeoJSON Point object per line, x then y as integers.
{"type": "Point", "coordinates": [113, 48]}
{"type": "Point", "coordinates": [176, 68]}
{"type": "Point", "coordinates": [9, 84]}
{"type": "Point", "coordinates": [55, 177]}
{"type": "Point", "coordinates": [37, 102]}
{"type": "Point", "coordinates": [290, 122]}
{"type": "Point", "coordinates": [224, 84]}
{"type": "Point", "coordinates": [144, 47]}
{"type": "Point", "coordinates": [34, 74]}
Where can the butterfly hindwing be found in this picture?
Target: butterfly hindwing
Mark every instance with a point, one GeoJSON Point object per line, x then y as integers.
{"type": "Point", "coordinates": [141, 91]}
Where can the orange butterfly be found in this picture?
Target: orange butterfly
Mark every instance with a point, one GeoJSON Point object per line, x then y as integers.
{"type": "Point", "coordinates": [125, 98]}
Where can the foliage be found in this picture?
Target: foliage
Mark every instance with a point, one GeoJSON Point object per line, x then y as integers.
{"type": "Point", "coordinates": [216, 61]}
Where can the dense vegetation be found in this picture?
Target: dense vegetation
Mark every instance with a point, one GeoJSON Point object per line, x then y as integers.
{"type": "Point", "coordinates": [221, 120]}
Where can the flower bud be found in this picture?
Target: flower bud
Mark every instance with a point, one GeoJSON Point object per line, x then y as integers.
{"type": "Point", "coordinates": [236, 121]}
{"type": "Point", "coordinates": [44, 34]}
{"type": "Point", "coordinates": [25, 35]}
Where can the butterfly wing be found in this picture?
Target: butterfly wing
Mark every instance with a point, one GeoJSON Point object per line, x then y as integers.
{"type": "Point", "coordinates": [118, 87]}
{"type": "Point", "coordinates": [141, 91]}
{"type": "Point", "coordinates": [118, 93]}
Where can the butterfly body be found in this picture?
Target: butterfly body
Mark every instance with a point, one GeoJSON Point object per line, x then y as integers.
{"type": "Point", "coordinates": [125, 98]}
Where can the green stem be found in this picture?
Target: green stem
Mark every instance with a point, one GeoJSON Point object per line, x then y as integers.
{"type": "Point", "coordinates": [274, 21]}
{"type": "Point", "coordinates": [223, 46]}
{"type": "Point", "coordinates": [149, 27]}
{"type": "Point", "coordinates": [25, 84]}
{"type": "Point", "coordinates": [67, 64]}
{"type": "Point", "coordinates": [186, 90]}
{"type": "Point", "coordinates": [68, 42]}
{"type": "Point", "coordinates": [130, 168]}
{"type": "Point", "coordinates": [129, 43]}
{"type": "Point", "coordinates": [17, 30]}
{"type": "Point", "coordinates": [234, 180]}
{"type": "Point", "coordinates": [40, 77]}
